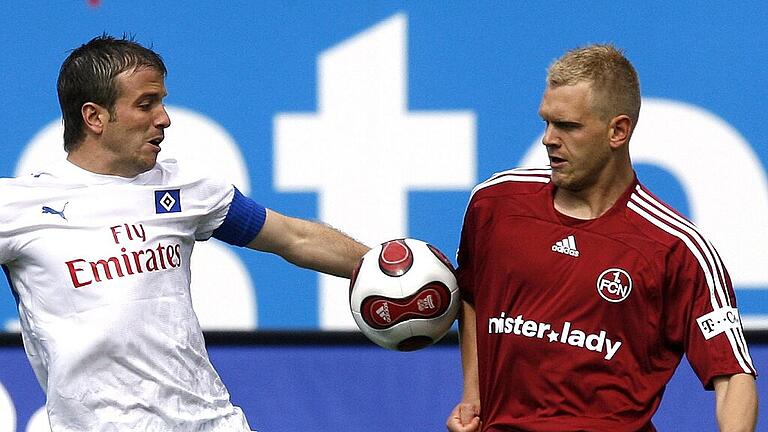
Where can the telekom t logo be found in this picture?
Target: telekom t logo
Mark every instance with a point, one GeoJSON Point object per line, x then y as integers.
{"type": "Point", "coordinates": [363, 150]}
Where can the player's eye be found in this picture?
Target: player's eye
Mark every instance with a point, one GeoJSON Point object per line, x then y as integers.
{"type": "Point", "coordinates": [566, 125]}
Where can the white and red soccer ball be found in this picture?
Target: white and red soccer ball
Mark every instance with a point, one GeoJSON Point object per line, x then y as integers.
{"type": "Point", "coordinates": [403, 295]}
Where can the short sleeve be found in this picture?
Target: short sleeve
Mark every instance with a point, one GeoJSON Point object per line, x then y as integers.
{"type": "Point", "coordinates": [465, 274]}
{"type": "Point", "coordinates": [713, 337]}
{"type": "Point", "coordinates": [213, 198]}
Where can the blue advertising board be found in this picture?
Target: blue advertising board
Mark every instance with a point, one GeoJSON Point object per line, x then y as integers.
{"type": "Point", "coordinates": [351, 388]}
{"type": "Point", "coordinates": [378, 117]}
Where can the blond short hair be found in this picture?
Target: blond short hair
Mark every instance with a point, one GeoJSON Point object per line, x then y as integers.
{"type": "Point", "coordinates": [615, 86]}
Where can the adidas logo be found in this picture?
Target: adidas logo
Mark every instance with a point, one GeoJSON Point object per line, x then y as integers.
{"type": "Point", "coordinates": [383, 312]}
{"type": "Point", "coordinates": [566, 246]}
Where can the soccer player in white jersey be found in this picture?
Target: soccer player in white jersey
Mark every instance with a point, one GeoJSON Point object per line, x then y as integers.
{"type": "Point", "coordinates": [581, 290]}
{"type": "Point", "coordinates": [97, 250]}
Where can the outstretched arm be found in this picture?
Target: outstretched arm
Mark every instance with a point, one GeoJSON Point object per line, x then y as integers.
{"type": "Point", "coordinates": [465, 417]}
{"type": "Point", "coordinates": [309, 244]}
{"type": "Point", "coordinates": [736, 397]}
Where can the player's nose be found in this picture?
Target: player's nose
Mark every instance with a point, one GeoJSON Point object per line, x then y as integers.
{"type": "Point", "coordinates": [162, 120]}
{"type": "Point", "coordinates": [548, 139]}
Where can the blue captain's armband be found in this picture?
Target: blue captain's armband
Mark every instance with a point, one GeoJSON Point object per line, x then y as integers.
{"type": "Point", "coordinates": [243, 222]}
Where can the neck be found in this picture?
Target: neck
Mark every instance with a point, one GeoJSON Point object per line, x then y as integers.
{"type": "Point", "coordinates": [90, 158]}
{"type": "Point", "coordinates": [592, 201]}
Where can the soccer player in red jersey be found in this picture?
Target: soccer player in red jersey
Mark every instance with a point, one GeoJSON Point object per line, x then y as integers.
{"type": "Point", "coordinates": [582, 290]}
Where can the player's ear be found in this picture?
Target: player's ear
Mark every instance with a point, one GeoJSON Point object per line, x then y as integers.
{"type": "Point", "coordinates": [94, 117]}
{"type": "Point", "coordinates": [620, 131]}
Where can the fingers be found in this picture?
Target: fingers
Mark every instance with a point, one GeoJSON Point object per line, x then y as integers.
{"type": "Point", "coordinates": [473, 426]}
{"type": "Point", "coordinates": [468, 413]}
{"type": "Point", "coordinates": [454, 421]}
{"type": "Point", "coordinates": [464, 418]}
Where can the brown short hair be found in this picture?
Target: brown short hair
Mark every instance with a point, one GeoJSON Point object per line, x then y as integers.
{"type": "Point", "coordinates": [615, 86]}
{"type": "Point", "coordinates": [88, 75]}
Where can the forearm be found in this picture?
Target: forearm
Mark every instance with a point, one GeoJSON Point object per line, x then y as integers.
{"type": "Point", "coordinates": [736, 403]}
{"type": "Point", "coordinates": [468, 346]}
{"type": "Point", "coordinates": [325, 249]}
{"type": "Point", "coordinates": [309, 244]}
{"type": "Point", "coordinates": [465, 417]}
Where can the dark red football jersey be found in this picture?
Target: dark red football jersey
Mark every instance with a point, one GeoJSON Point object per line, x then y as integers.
{"type": "Point", "coordinates": [581, 323]}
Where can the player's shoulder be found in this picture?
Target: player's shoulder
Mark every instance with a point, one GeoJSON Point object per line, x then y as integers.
{"type": "Point", "coordinates": [658, 221]}
{"type": "Point", "coordinates": [9, 182]}
{"type": "Point", "coordinates": [12, 188]}
{"type": "Point", "coordinates": [16, 194]}
{"type": "Point", "coordinates": [516, 181]}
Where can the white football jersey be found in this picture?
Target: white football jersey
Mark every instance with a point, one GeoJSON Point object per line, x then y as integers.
{"type": "Point", "coordinates": [100, 267]}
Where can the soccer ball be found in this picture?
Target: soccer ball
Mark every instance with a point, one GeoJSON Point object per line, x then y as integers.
{"type": "Point", "coordinates": [403, 295]}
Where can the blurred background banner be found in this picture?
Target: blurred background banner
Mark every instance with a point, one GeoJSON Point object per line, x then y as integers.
{"type": "Point", "coordinates": [378, 117]}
